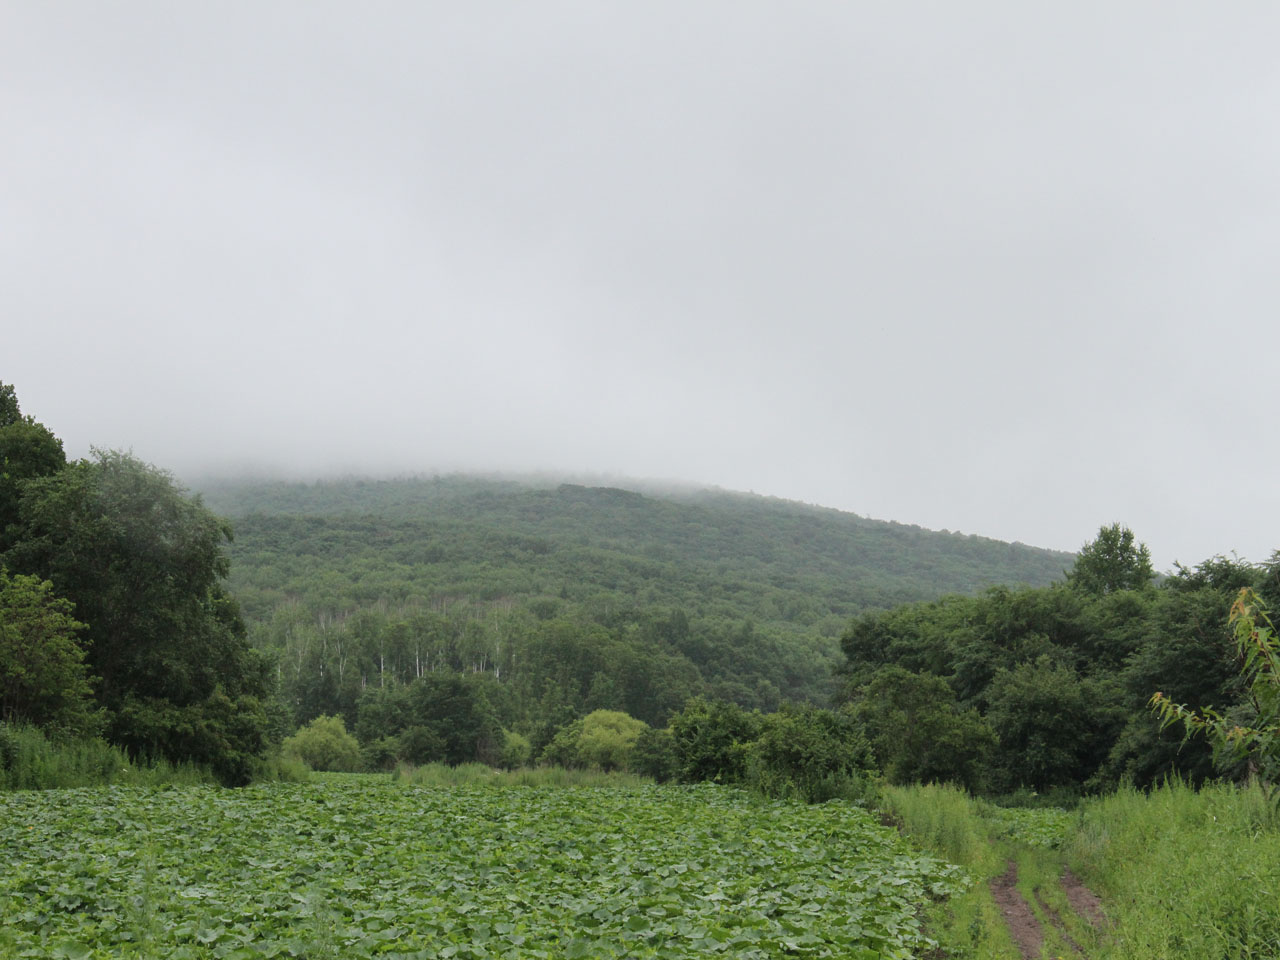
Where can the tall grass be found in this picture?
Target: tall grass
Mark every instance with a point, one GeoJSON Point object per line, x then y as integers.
{"type": "Point", "coordinates": [945, 819]}
{"type": "Point", "coordinates": [30, 760]}
{"type": "Point", "coordinates": [443, 775]}
{"type": "Point", "coordinates": [1185, 874]}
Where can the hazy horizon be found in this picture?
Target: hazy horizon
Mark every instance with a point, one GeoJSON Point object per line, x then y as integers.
{"type": "Point", "coordinates": [1003, 270]}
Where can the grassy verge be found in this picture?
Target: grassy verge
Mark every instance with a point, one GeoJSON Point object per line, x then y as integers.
{"type": "Point", "coordinates": [985, 840]}
{"type": "Point", "coordinates": [1185, 873]}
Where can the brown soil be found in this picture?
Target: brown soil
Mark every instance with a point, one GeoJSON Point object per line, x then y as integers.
{"type": "Point", "coordinates": [1056, 920]}
{"type": "Point", "coordinates": [1022, 923]}
{"type": "Point", "coordinates": [1083, 900]}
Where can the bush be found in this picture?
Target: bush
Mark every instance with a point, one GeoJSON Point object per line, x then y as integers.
{"type": "Point", "coordinates": [711, 738]}
{"type": "Point", "coordinates": [602, 740]}
{"type": "Point", "coordinates": [812, 755]}
{"type": "Point", "coordinates": [381, 755]}
{"type": "Point", "coordinates": [562, 750]}
{"type": "Point", "coordinates": [607, 739]}
{"type": "Point", "coordinates": [324, 744]}
{"type": "Point", "coordinates": [654, 755]}
{"type": "Point", "coordinates": [516, 751]}
{"type": "Point", "coordinates": [29, 760]}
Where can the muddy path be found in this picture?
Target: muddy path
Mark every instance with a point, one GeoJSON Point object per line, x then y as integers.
{"type": "Point", "coordinates": [1025, 928]}
{"type": "Point", "coordinates": [1018, 916]}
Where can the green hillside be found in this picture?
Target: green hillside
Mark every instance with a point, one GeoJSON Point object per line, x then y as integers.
{"type": "Point", "coordinates": [571, 597]}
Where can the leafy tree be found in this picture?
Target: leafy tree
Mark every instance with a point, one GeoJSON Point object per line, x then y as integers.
{"type": "Point", "coordinates": [324, 744]}
{"type": "Point", "coordinates": [1112, 561]}
{"type": "Point", "coordinates": [1051, 725]}
{"type": "Point", "coordinates": [654, 755]}
{"type": "Point", "coordinates": [711, 739]}
{"type": "Point", "coordinates": [444, 716]}
{"type": "Point", "coordinates": [43, 680]}
{"type": "Point", "coordinates": [9, 411]}
{"type": "Point", "coordinates": [1250, 738]}
{"type": "Point", "coordinates": [919, 733]}
{"type": "Point", "coordinates": [144, 565]}
{"type": "Point", "coordinates": [607, 739]}
{"type": "Point", "coordinates": [810, 754]}
{"type": "Point", "coordinates": [516, 751]}
{"type": "Point", "coordinates": [562, 749]}
{"type": "Point", "coordinates": [27, 450]}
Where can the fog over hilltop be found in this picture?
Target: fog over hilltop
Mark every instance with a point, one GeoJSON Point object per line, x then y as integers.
{"type": "Point", "coordinates": [1001, 269]}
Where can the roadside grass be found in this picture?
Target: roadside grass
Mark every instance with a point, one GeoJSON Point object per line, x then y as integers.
{"type": "Point", "coordinates": [985, 839]}
{"type": "Point", "coordinates": [1186, 873]}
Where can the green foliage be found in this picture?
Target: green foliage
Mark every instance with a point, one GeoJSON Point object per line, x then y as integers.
{"type": "Point", "coordinates": [607, 739]}
{"type": "Point", "coordinates": [1184, 872]}
{"type": "Point", "coordinates": [1112, 561]}
{"type": "Point", "coordinates": [1047, 724]}
{"type": "Point", "coordinates": [1249, 737]}
{"type": "Point", "coordinates": [517, 752]}
{"type": "Point", "coordinates": [438, 717]}
{"type": "Point", "coordinates": [711, 739]}
{"type": "Point", "coordinates": [324, 744]}
{"type": "Point", "coordinates": [603, 740]}
{"type": "Point", "coordinates": [358, 866]}
{"type": "Point", "coordinates": [144, 565]}
{"type": "Point", "coordinates": [654, 755]}
{"type": "Point", "coordinates": [919, 733]}
{"type": "Point", "coordinates": [575, 598]}
{"type": "Point", "coordinates": [30, 760]}
{"type": "Point", "coordinates": [1062, 675]}
{"type": "Point", "coordinates": [28, 450]}
{"type": "Point", "coordinates": [944, 818]}
{"type": "Point", "coordinates": [810, 755]}
{"type": "Point", "coordinates": [43, 680]}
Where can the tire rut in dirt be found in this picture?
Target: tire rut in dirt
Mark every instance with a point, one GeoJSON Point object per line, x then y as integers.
{"type": "Point", "coordinates": [1023, 926]}
{"type": "Point", "coordinates": [1083, 900]}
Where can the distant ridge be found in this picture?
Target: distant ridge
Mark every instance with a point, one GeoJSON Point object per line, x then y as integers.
{"type": "Point", "coordinates": [761, 588]}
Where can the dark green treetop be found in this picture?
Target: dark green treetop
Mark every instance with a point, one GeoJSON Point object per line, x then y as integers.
{"type": "Point", "coordinates": [1112, 561]}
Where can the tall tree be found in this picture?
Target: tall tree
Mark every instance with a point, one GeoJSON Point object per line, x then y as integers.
{"type": "Point", "coordinates": [144, 565]}
{"type": "Point", "coordinates": [1112, 561]}
{"type": "Point", "coordinates": [27, 449]}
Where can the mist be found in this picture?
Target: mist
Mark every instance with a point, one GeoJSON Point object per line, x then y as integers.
{"type": "Point", "coordinates": [1004, 270]}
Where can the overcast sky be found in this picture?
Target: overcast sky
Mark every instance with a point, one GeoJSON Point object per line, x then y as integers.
{"type": "Point", "coordinates": [1005, 268]}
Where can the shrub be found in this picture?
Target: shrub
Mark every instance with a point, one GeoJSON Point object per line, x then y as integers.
{"type": "Point", "coordinates": [516, 751]}
{"type": "Point", "coordinates": [711, 738]}
{"type": "Point", "coordinates": [654, 755]}
{"type": "Point", "coordinates": [607, 739]}
{"type": "Point", "coordinates": [811, 755]}
{"type": "Point", "coordinates": [324, 744]}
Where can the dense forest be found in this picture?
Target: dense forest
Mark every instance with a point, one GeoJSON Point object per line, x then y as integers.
{"type": "Point", "coordinates": [560, 599]}
{"type": "Point", "coordinates": [1051, 688]}
{"type": "Point", "coordinates": [689, 634]}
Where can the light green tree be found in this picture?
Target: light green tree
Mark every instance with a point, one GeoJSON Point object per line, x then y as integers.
{"type": "Point", "coordinates": [43, 679]}
{"type": "Point", "coordinates": [324, 744]}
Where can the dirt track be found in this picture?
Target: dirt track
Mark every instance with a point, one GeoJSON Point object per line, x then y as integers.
{"type": "Point", "coordinates": [1025, 928]}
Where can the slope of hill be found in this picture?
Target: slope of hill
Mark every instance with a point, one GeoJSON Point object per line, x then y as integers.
{"type": "Point", "coordinates": [738, 595]}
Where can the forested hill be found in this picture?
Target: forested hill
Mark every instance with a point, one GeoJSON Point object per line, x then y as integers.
{"type": "Point", "coordinates": [740, 595]}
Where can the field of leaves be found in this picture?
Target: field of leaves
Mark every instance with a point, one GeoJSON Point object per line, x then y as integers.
{"type": "Point", "coordinates": [350, 867]}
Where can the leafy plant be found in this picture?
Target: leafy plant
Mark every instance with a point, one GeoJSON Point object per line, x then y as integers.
{"type": "Point", "coordinates": [1253, 740]}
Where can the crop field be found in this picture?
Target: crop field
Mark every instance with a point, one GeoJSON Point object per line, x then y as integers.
{"type": "Point", "coordinates": [351, 867]}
